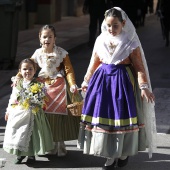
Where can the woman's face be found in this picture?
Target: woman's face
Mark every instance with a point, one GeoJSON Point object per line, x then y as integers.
{"type": "Point", "coordinates": [114, 26]}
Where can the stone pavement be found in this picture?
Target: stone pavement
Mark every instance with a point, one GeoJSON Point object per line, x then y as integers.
{"type": "Point", "coordinates": [73, 32]}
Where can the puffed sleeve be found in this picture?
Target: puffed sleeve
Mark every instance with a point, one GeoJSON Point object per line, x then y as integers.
{"type": "Point", "coordinates": [70, 76]}
{"type": "Point", "coordinates": [137, 63]}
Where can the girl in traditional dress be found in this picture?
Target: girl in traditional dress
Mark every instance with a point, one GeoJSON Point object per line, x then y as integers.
{"type": "Point", "coordinates": [27, 131]}
{"type": "Point", "coordinates": [57, 73]}
{"type": "Point", "coordinates": [118, 118]}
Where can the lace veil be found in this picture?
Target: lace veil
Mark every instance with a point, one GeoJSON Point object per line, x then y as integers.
{"type": "Point", "coordinates": [129, 36]}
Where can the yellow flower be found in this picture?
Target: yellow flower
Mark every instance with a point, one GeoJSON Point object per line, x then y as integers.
{"type": "Point", "coordinates": [35, 88]}
{"type": "Point", "coordinates": [25, 104]}
{"type": "Point", "coordinates": [35, 110]}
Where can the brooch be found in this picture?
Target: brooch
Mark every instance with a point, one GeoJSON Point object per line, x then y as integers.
{"type": "Point", "coordinates": [112, 48]}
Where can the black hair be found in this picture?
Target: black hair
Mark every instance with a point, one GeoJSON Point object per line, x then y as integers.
{"type": "Point", "coordinates": [45, 27]}
{"type": "Point", "coordinates": [114, 13]}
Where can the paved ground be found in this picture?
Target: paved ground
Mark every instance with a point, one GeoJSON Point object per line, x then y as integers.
{"type": "Point", "coordinates": [72, 35]}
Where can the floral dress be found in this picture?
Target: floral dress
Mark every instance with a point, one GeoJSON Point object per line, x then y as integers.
{"type": "Point", "coordinates": [27, 131]}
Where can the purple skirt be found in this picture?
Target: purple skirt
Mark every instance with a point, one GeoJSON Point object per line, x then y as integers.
{"type": "Point", "coordinates": [110, 98]}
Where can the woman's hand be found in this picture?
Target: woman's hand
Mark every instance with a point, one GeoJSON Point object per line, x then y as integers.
{"type": "Point", "coordinates": [148, 95]}
{"type": "Point", "coordinates": [84, 86]}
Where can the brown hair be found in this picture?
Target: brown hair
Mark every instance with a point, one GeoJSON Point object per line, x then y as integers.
{"type": "Point", "coordinates": [28, 60]}
{"type": "Point", "coordinates": [114, 13]}
{"type": "Point", "coordinates": [45, 27]}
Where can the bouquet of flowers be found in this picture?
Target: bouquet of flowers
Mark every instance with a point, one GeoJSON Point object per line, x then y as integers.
{"type": "Point", "coordinates": [33, 97]}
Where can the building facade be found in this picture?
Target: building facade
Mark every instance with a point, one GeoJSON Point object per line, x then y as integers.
{"type": "Point", "coordinates": [47, 11]}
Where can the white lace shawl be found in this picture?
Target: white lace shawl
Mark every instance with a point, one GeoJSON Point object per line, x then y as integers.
{"type": "Point", "coordinates": [125, 43]}
{"type": "Point", "coordinates": [48, 62]}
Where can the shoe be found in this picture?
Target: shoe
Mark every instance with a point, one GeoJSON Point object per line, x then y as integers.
{"type": "Point", "coordinates": [122, 163]}
{"type": "Point", "coordinates": [61, 149]}
{"type": "Point", "coordinates": [110, 167]}
{"type": "Point", "coordinates": [53, 151]}
{"type": "Point", "coordinates": [31, 160]}
{"type": "Point", "coordinates": [19, 159]}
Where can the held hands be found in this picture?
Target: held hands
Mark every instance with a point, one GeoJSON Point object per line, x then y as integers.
{"type": "Point", "coordinates": [84, 86]}
{"type": "Point", "coordinates": [148, 95]}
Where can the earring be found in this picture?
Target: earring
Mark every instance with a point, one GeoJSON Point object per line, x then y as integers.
{"type": "Point", "coordinates": [40, 44]}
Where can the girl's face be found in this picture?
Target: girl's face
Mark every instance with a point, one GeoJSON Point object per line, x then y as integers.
{"type": "Point", "coordinates": [27, 71]}
{"type": "Point", "coordinates": [114, 25]}
{"type": "Point", "coordinates": [47, 39]}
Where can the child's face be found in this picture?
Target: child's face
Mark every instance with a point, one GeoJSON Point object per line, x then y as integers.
{"type": "Point", "coordinates": [114, 26]}
{"type": "Point", "coordinates": [27, 71]}
{"type": "Point", "coordinates": [47, 39]}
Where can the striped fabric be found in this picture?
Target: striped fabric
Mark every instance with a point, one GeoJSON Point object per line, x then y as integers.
{"type": "Point", "coordinates": [56, 94]}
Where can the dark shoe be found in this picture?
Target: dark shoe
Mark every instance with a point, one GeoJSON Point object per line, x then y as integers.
{"type": "Point", "coordinates": [110, 167]}
{"type": "Point", "coordinates": [19, 159]}
{"type": "Point", "coordinates": [122, 163]}
{"type": "Point", "coordinates": [31, 160]}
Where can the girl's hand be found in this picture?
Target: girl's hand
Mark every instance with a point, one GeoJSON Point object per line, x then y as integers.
{"type": "Point", "coordinates": [14, 80]}
{"type": "Point", "coordinates": [6, 116]}
{"type": "Point", "coordinates": [73, 88]}
{"type": "Point", "coordinates": [148, 95]}
{"type": "Point", "coordinates": [84, 86]}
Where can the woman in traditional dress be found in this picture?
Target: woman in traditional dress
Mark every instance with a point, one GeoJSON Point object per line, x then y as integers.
{"type": "Point", "coordinates": [118, 117]}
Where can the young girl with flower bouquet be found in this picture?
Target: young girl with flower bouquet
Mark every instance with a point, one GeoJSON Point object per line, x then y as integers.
{"type": "Point", "coordinates": [27, 131]}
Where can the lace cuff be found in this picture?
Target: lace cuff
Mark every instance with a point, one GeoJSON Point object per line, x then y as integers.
{"type": "Point", "coordinates": [144, 86]}
{"type": "Point", "coordinates": [84, 84]}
